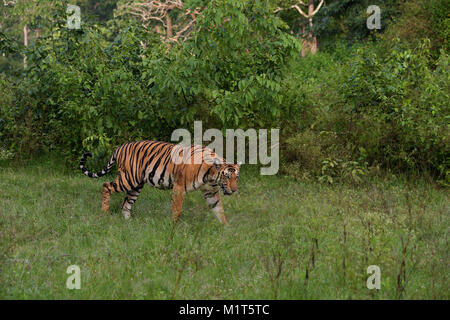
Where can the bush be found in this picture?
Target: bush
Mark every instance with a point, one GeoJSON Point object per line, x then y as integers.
{"type": "Point", "coordinates": [384, 108]}
{"type": "Point", "coordinates": [400, 102]}
{"type": "Point", "coordinates": [440, 22]}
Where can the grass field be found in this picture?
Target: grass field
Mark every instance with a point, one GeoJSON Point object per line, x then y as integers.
{"type": "Point", "coordinates": [287, 240]}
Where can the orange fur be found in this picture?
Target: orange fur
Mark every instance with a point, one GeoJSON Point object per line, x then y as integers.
{"type": "Point", "coordinates": [159, 164]}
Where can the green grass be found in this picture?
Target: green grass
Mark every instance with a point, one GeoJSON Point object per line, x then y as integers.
{"type": "Point", "coordinates": [287, 240]}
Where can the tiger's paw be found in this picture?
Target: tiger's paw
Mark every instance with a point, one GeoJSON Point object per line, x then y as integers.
{"type": "Point", "coordinates": [126, 215]}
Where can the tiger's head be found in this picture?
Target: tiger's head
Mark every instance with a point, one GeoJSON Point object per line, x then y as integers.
{"type": "Point", "coordinates": [228, 176]}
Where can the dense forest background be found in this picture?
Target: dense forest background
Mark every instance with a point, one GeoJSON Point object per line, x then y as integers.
{"type": "Point", "coordinates": [349, 101]}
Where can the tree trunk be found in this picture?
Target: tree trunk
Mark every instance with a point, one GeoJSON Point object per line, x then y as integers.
{"type": "Point", "coordinates": [25, 42]}
{"type": "Point", "coordinates": [309, 41]}
{"type": "Point", "coordinates": [305, 43]}
{"type": "Point", "coordinates": [169, 26]}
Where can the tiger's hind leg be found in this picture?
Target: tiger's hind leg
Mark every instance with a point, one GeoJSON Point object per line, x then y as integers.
{"type": "Point", "coordinates": [108, 188]}
{"type": "Point", "coordinates": [129, 200]}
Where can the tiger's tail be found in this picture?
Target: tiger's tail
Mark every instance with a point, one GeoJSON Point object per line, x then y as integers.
{"type": "Point", "coordinates": [104, 171]}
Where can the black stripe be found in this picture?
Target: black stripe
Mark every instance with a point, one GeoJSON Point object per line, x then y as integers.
{"type": "Point", "coordinates": [149, 146]}
{"type": "Point", "coordinates": [206, 174]}
{"type": "Point", "coordinates": [156, 166]}
{"type": "Point", "coordinates": [212, 206]}
{"type": "Point", "coordinates": [156, 153]}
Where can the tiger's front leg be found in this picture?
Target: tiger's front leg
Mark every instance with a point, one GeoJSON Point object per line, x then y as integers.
{"type": "Point", "coordinates": [214, 201]}
{"type": "Point", "coordinates": [177, 201]}
{"type": "Point", "coordinates": [130, 199]}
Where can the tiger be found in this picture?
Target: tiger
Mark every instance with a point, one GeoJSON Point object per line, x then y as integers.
{"type": "Point", "coordinates": [167, 166]}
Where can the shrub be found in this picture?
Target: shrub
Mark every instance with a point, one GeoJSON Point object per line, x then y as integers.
{"type": "Point", "coordinates": [384, 108]}
{"type": "Point", "coordinates": [405, 96]}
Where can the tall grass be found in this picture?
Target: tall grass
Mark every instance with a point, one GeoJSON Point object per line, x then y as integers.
{"type": "Point", "coordinates": [287, 240]}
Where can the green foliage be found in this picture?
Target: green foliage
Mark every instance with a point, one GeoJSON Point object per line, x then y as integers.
{"type": "Point", "coordinates": [7, 45]}
{"type": "Point", "coordinates": [346, 170]}
{"type": "Point", "coordinates": [10, 53]}
{"type": "Point", "coordinates": [388, 109]}
{"type": "Point", "coordinates": [420, 20]}
{"type": "Point", "coordinates": [5, 154]}
{"type": "Point", "coordinates": [340, 20]}
{"type": "Point", "coordinates": [231, 69]}
{"type": "Point", "coordinates": [407, 98]}
{"type": "Point", "coordinates": [440, 22]}
{"type": "Point", "coordinates": [82, 91]}
{"type": "Point", "coordinates": [310, 154]}
{"type": "Point", "coordinates": [80, 103]}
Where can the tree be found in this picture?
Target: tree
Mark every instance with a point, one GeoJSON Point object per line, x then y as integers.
{"type": "Point", "coordinates": [25, 16]}
{"type": "Point", "coordinates": [174, 19]}
{"type": "Point", "coordinates": [309, 40]}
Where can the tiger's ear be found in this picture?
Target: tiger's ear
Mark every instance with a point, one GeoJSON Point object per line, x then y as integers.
{"type": "Point", "coordinates": [217, 164]}
{"type": "Point", "coordinates": [239, 164]}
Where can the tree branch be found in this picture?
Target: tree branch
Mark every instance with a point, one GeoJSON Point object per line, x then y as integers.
{"type": "Point", "coordinates": [318, 8]}
{"type": "Point", "coordinates": [299, 10]}
{"type": "Point", "coordinates": [159, 11]}
{"type": "Point", "coordinates": [296, 7]}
